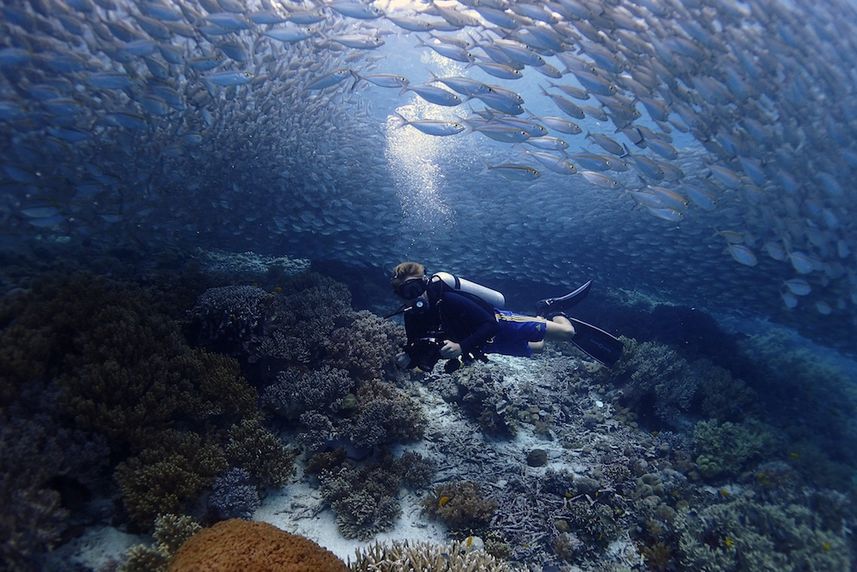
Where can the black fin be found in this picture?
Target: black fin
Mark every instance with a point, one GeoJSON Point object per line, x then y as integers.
{"type": "Point", "coordinates": [596, 343]}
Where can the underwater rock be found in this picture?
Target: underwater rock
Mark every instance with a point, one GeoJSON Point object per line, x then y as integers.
{"type": "Point", "coordinates": [537, 458]}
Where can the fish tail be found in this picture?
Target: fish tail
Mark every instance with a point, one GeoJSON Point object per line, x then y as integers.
{"type": "Point", "coordinates": [402, 119]}
{"type": "Point", "coordinates": [357, 79]}
{"type": "Point", "coordinates": [627, 152]}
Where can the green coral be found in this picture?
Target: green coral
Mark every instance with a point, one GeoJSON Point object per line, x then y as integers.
{"type": "Point", "coordinates": [727, 449]}
{"type": "Point", "coordinates": [165, 478]}
{"type": "Point", "coordinates": [745, 535]}
{"type": "Point", "coordinates": [171, 531]}
{"type": "Point", "coordinates": [252, 447]}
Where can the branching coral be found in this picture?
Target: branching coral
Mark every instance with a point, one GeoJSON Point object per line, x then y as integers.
{"type": "Point", "coordinates": [233, 495]}
{"type": "Point", "coordinates": [171, 531]}
{"type": "Point", "coordinates": [297, 391]}
{"type": "Point", "coordinates": [385, 415]}
{"type": "Point", "coordinates": [404, 556]}
{"type": "Point", "coordinates": [366, 346]}
{"type": "Point", "coordinates": [594, 522]}
{"type": "Point", "coordinates": [252, 447]}
{"type": "Point", "coordinates": [163, 479]}
{"type": "Point", "coordinates": [300, 321]}
{"type": "Point", "coordinates": [243, 545]}
{"type": "Point", "coordinates": [460, 505]}
{"type": "Point", "coordinates": [224, 318]}
{"type": "Point", "coordinates": [365, 500]}
{"type": "Point", "coordinates": [744, 535]}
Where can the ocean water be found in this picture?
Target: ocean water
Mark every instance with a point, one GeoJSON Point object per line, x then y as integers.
{"type": "Point", "coordinates": [201, 205]}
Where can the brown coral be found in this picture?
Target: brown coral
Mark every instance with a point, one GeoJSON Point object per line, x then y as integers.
{"type": "Point", "coordinates": [238, 545]}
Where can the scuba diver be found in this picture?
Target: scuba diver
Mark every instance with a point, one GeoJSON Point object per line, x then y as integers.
{"type": "Point", "coordinates": [452, 318]}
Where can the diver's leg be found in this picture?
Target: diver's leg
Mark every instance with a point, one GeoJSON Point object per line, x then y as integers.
{"type": "Point", "coordinates": [536, 347]}
{"type": "Point", "coordinates": [559, 328]}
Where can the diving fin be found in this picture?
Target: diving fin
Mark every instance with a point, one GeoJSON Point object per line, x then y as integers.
{"type": "Point", "coordinates": [563, 302]}
{"type": "Point", "coordinates": [596, 343]}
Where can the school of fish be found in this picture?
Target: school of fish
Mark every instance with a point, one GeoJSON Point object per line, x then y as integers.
{"type": "Point", "coordinates": [706, 147]}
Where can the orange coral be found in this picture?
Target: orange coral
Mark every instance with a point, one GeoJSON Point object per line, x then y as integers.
{"type": "Point", "coordinates": [245, 546]}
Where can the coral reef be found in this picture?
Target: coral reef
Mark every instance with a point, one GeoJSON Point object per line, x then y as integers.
{"type": "Point", "coordinates": [385, 415]}
{"type": "Point", "coordinates": [365, 500]}
{"type": "Point", "coordinates": [725, 449]}
{"type": "Point", "coordinates": [249, 266]}
{"type": "Point", "coordinates": [171, 531]}
{"type": "Point", "coordinates": [252, 447]}
{"type": "Point", "coordinates": [299, 322]}
{"type": "Point", "coordinates": [243, 545]}
{"type": "Point", "coordinates": [165, 478]}
{"type": "Point", "coordinates": [224, 317]}
{"type": "Point", "coordinates": [745, 535]}
{"type": "Point", "coordinates": [296, 392]}
{"type": "Point", "coordinates": [460, 505]}
{"type": "Point", "coordinates": [366, 347]}
{"type": "Point", "coordinates": [233, 495]}
{"type": "Point", "coordinates": [403, 556]}
{"type": "Point", "coordinates": [37, 455]}
{"type": "Point", "coordinates": [667, 390]}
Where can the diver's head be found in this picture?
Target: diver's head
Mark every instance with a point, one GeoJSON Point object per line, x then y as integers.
{"type": "Point", "coordinates": [409, 280]}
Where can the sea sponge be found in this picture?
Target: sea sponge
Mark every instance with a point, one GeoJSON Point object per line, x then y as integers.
{"type": "Point", "coordinates": [245, 546]}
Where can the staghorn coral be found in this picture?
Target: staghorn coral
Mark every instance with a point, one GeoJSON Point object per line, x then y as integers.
{"type": "Point", "coordinates": [242, 545]}
{"type": "Point", "coordinates": [165, 478]}
{"type": "Point", "coordinates": [252, 447]}
{"type": "Point", "coordinates": [406, 556]}
{"type": "Point", "coordinates": [298, 391]}
{"type": "Point", "coordinates": [726, 449]}
{"type": "Point", "coordinates": [366, 347]}
{"type": "Point", "coordinates": [385, 415]}
{"type": "Point", "coordinates": [365, 500]}
{"type": "Point", "coordinates": [460, 505]}
{"type": "Point", "coordinates": [745, 535]}
{"type": "Point", "coordinates": [225, 317]}
{"type": "Point", "coordinates": [233, 495]}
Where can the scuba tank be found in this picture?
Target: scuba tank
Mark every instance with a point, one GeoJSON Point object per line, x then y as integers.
{"type": "Point", "coordinates": [456, 284]}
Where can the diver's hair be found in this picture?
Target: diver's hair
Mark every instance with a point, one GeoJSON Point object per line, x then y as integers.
{"type": "Point", "coordinates": [404, 271]}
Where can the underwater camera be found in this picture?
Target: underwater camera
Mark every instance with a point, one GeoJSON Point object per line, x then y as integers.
{"type": "Point", "coordinates": [425, 353]}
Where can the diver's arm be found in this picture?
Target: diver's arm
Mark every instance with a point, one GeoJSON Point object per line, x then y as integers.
{"type": "Point", "coordinates": [483, 324]}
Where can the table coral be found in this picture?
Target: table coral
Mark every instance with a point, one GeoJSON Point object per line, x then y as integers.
{"type": "Point", "coordinates": [252, 547]}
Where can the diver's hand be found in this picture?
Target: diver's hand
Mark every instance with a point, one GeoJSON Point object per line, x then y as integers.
{"type": "Point", "coordinates": [403, 360]}
{"type": "Point", "coordinates": [450, 350]}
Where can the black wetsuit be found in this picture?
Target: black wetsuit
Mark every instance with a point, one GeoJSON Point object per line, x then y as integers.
{"type": "Point", "coordinates": [458, 317]}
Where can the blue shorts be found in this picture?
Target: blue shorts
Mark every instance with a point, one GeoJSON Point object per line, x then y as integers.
{"type": "Point", "coordinates": [515, 334]}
